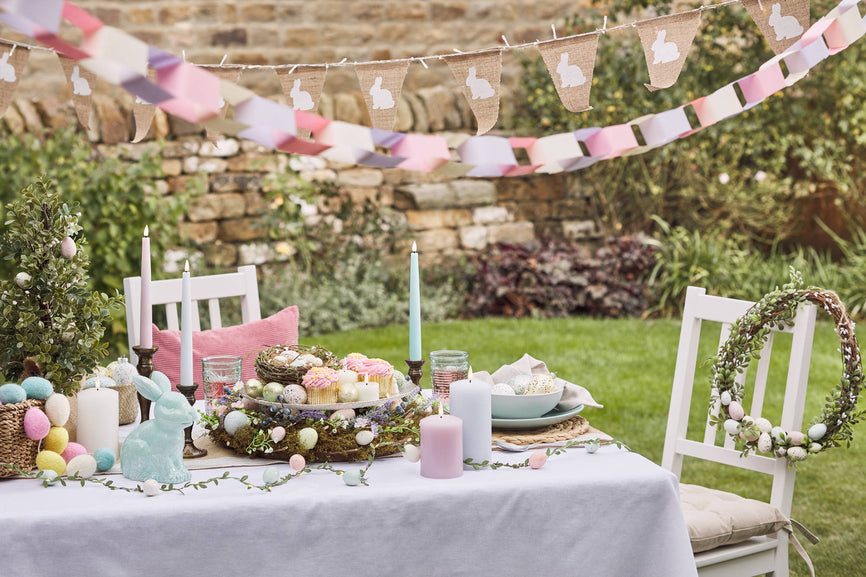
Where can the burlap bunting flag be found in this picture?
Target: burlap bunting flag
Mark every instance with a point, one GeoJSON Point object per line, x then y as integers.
{"type": "Point", "coordinates": [13, 59]}
{"type": "Point", "coordinates": [81, 82]}
{"type": "Point", "coordinates": [479, 76]}
{"type": "Point", "coordinates": [666, 43]}
{"type": "Point", "coordinates": [381, 84]}
{"type": "Point", "coordinates": [570, 62]}
{"type": "Point", "coordinates": [143, 112]}
{"type": "Point", "coordinates": [303, 87]}
{"type": "Point", "coordinates": [232, 75]}
{"type": "Point", "coordinates": [782, 22]}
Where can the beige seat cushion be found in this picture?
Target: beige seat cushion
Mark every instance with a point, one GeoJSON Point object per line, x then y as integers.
{"type": "Point", "coordinates": [717, 518]}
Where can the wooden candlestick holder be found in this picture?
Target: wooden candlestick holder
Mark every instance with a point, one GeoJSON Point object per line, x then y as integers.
{"type": "Point", "coordinates": [190, 451]}
{"type": "Point", "coordinates": [415, 372]}
{"type": "Point", "coordinates": [145, 368]}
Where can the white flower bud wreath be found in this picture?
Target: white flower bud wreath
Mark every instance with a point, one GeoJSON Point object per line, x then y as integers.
{"type": "Point", "coordinates": [749, 333]}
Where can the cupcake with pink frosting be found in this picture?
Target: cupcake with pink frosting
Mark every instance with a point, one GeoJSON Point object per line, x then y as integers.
{"type": "Point", "coordinates": [354, 362]}
{"type": "Point", "coordinates": [379, 371]}
{"type": "Point", "coordinates": [322, 384]}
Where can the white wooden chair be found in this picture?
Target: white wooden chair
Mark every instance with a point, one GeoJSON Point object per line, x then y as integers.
{"type": "Point", "coordinates": [757, 555]}
{"type": "Point", "coordinates": [211, 288]}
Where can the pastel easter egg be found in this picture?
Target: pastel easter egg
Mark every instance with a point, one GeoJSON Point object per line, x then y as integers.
{"type": "Point", "coordinates": [297, 462]}
{"type": "Point", "coordinates": [797, 453]}
{"type": "Point", "coordinates": [50, 477]}
{"type": "Point", "coordinates": [105, 459]}
{"type": "Point", "coordinates": [123, 373]}
{"type": "Point", "coordinates": [781, 451]}
{"type": "Point", "coordinates": [278, 434]}
{"type": "Point", "coordinates": [765, 443]}
{"type": "Point", "coordinates": [57, 409]}
{"type": "Point", "coordinates": [732, 427]}
{"type": "Point", "coordinates": [735, 410]}
{"type": "Point", "coordinates": [307, 438]}
{"type": "Point", "coordinates": [12, 393]}
{"type": "Point", "coordinates": [270, 475]}
{"type": "Point", "coordinates": [411, 453]}
{"type": "Point", "coordinates": [68, 248]}
{"type": "Point", "coordinates": [591, 446]}
{"type": "Point", "coordinates": [37, 388]}
{"type": "Point", "coordinates": [352, 478]}
{"type": "Point", "coordinates": [501, 389]}
{"type": "Point", "coordinates": [83, 466]}
{"type": "Point", "coordinates": [46, 460]}
{"type": "Point", "coordinates": [294, 395]}
{"type": "Point", "coordinates": [73, 450]}
{"type": "Point", "coordinates": [779, 435]}
{"type": "Point", "coordinates": [364, 437]}
{"type": "Point", "coordinates": [764, 425]}
{"type": "Point", "coordinates": [519, 383]}
{"type": "Point", "coordinates": [100, 380]}
{"type": "Point", "coordinates": [726, 398]}
{"type": "Point", "coordinates": [151, 487]}
{"type": "Point", "coordinates": [348, 393]}
{"type": "Point", "coordinates": [815, 447]}
{"type": "Point", "coordinates": [254, 388]}
{"type": "Point", "coordinates": [36, 424]}
{"type": "Point", "coordinates": [235, 421]}
{"type": "Point", "coordinates": [343, 414]}
{"type": "Point", "coordinates": [272, 391]}
{"type": "Point", "coordinates": [817, 431]}
{"type": "Point", "coordinates": [537, 459]}
{"type": "Point", "coordinates": [56, 439]}
{"type": "Point", "coordinates": [796, 438]}
{"type": "Point", "coordinates": [160, 379]}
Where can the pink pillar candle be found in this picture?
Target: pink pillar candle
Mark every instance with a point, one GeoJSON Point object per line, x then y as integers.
{"type": "Point", "coordinates": [145, 317]}
{"type": "Point", "coordinates": [441, 447]}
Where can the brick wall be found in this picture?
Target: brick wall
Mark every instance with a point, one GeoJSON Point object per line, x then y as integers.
{"type": "Point", "coordinates": [451, 215]}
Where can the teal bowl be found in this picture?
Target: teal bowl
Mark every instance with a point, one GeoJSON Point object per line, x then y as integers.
{"type": "Point", "coordinates": [523, 406]}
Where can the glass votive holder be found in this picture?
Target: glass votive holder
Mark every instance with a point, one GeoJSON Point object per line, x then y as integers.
{"type": "Point", "coordinates": [216, 373]}
{"type": "Point", "coordinates": [445, 368]}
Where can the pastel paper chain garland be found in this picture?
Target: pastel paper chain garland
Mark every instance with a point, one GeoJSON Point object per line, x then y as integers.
{"type": "Point", "coordinates": [194, 94]}
{"type": "Point", "coordinates": [748, 335]}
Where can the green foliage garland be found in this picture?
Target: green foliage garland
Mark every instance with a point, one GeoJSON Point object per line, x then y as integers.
{"type": "Point", "coordinates": [748, 335]}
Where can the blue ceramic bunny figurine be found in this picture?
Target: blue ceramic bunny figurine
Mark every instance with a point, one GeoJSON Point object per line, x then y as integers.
{"type": "Point", "coordinates": [154, 450]}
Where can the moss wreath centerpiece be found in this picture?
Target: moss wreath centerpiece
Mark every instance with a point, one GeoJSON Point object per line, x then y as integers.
{"type": "Point", "coordinates": [748, 335]}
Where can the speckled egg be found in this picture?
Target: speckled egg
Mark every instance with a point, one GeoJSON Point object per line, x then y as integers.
{"type": "Point", "coordinates": [726, 398]}
{"type": "Point", "coordinates": [278, 434]}
{"type": "Point", "coordinates": [518, 383]}
{"type": "Point", "coordinates": [411, 453]}
{"type": "Point", "coordinates": [764, 425]}
{"type": "Point", "coordinates": [12, 393]}
{"type": "Point", "coordinates": [541, 384]}
{"type": "Point", "coordinates": [501, 389]}
{"type": "Point", "coordinates": [280, 361]}
{"type": "Point", "coordinates": [797, 453]}
{"type": "Point", "coordinates": [352, 478]}
{"type": "Point", "coordinates": [364, 437]}
{"type": "Point", "coordinates": [294, 395]}
{"type": "Point", "coordinates": [68, 248]}
{"type": "Point", "coordinates": [270, 475]}
{"type": "Point", "coordinates": [57, 409]}
{"type": "Point", "coordinates": [291, 355]}
{"type": "Point", "coordinates": [56, 440]}
{"type": "Point", "coordinates": [537, 459]}
{"type": "Point", "coordinates": [765, 443]}
{"type": "Point", "coordinates": [736, 411]}
{"type": "Point", "coordinates": [83, 465]}
{"type": "Point", "coordinates": [348, 393]}
{"type": "Point", "coordinates": [123, 372]}
{"type": "Point", "coordinates": [50, 460]}
{"type": "Point", "coordinates": [37, 388]}
{"type": "Point", "coordinates": [307, 438]}
{"type": "Point", "coordinates": [73, 450]}
{"type": "Point", "coordinates": [297, 462]}
{"type": "Point", "coordinates": [151, 487]}
{"type": "Point", "coordinates": [105, 459]}
{"type": "Point", "coordinates": [36, 424]}
{"type": "Point", "coordinates": [235, 421]}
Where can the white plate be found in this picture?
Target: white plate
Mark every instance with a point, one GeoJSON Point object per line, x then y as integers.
{"type": "Point", "coordinates": [408, 387]}
{"type": "Point", "coordinates": [551, 418]}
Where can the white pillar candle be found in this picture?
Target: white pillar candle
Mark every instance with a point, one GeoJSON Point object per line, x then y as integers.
{"type": "Point", "coordinates": [185, 329]}
{"type": "Point", "coordinates": [367, 391]}
{"type": "Point", "coordinates": [98, 413]}
{"type": "Point", "coordinates": [145, 317]}
{"type": "Point", "coordinates": [470, 401]}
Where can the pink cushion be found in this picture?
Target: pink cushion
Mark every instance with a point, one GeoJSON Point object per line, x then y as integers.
{"type": "Point", "coordinates": [242, 340]}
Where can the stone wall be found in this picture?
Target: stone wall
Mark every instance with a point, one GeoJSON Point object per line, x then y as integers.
{"type": "Point", "coordinates": [451, 215]}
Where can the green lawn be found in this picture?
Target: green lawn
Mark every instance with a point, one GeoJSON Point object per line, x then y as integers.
{"type": "Point", "coordinates": [628, 366]}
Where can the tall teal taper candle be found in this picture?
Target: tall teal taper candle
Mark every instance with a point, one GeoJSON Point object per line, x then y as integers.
{"type": "Point", "coordinates": [414, 307]}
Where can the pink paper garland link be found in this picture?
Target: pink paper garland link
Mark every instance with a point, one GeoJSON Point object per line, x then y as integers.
{"type": "Point", "coordinates": [193, 94]}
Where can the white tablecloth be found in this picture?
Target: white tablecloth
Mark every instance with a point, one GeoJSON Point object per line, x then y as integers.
{"type": "Point", "coordinates": [613, 514]}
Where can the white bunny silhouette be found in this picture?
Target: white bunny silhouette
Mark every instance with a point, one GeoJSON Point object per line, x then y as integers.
{"type": "Point", "coordinates": [301, 99]}
{"type": "Point", "coordinates": [382, 99]}
{"type": "Point", "coordinates": [664, 52]}
{"type": "Point", "coordinates": [784, 26]}
{"type": "Point", "coordinates": [7, 71]}
{"type": "Point", "coordinates": [79, 84]}
{"type": "Point", "coordinates": [154, 449]}
{"type": "Point", "coordinates": [569, 74]}
{"type": "Point", "coordinates": [480, 88]}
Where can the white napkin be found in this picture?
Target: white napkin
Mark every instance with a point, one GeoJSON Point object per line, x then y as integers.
{"type": "Point", "coordinates": [572, 395]}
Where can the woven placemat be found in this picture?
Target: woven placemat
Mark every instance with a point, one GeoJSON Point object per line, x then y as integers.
{"type": "Point", "coordinates": [564, 431]}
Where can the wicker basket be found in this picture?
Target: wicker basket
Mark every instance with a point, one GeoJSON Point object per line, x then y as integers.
{"type": "Point", "coordinates": [128, 403]}
{"type": "Point", "coordinates": [269, 372]}
{"type": "Point", "coordinates": [15, 447]}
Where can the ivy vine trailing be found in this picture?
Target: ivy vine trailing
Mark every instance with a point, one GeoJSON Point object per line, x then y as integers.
{"type": "Point", "coordinates": [749, 333]}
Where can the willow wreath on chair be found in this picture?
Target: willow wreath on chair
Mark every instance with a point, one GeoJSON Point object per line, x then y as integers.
{"type": "Point", "coordinates": [748, 335]}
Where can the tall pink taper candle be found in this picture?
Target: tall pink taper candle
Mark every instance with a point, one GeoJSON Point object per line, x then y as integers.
{"type": "Point", "coordinates": [185, 329]}
{"type": "Point", "coordinates": [145, 318]}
